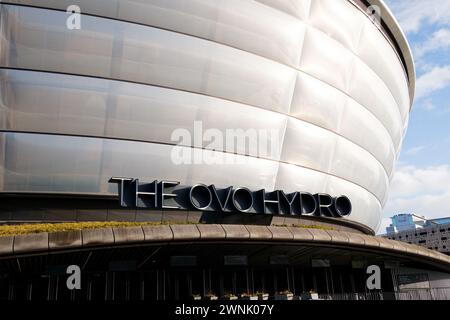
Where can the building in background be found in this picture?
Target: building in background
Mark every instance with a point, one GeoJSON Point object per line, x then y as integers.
{"type": "Point", "coordinates": [433, 234]}
{"type": "Point", "coordinates": [401, 222]}
{"type": "Point", "coordinates": [108, 100]}
{"type": "Point", "coordinates": [406, 222]}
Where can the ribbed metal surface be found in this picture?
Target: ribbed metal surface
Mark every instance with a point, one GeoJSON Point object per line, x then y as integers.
{"type": "Point", "coordinates": [80, 106]}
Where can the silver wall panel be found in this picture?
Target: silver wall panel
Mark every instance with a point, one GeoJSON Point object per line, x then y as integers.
{"type": "Point", "coordinates": [49, 103]}
{"type": "Point", "coordinates": [369, 91]}
{"type": "Point", "coordinates": [308, 145]}
{"type": "Point", "coordinates": [317, 71]}
{"type": "Point", "coordinates": [38, 39]}
{"type": "Point", "coordinates": [52, 163]}
{"type": "Point", "coordinates": [322, 54]}
{"type": "Point", "coordinates": [247, 25]}
{"type": "Point", "coordinates": [362, 127]}
{"type": "Point", "coordinates": [282, 38]}
{"type": "Point", "coordinates": [317, 59]}
{"type": "Point", "coordinates": [41, 102]}
{"type": "Point", "coordinates": [384, 61]}
{"type": "Point", "coordinates": [366, 207]}
{"type": "Point", "coordinates": [314, 102]}
{"type": "Point", "coordinates": [356, 164]}
{"type": "Point", "coordinates": [217, 21]}
{"type": "Point", "coordinates": [296, 8]}
{"type": "Point", "coordinates": [340, 20]}
{"type": "Point", "coordinates": [55, 103]}
{"type": "Point", "coordinates": [312, 147]}
{"type": "Point", "coordinates": [343, 22]}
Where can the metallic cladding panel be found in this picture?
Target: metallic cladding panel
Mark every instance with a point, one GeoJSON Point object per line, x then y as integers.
{"type": "Point", "coordinates": [104, 100]}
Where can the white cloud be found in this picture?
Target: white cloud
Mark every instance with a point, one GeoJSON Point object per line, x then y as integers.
{"type": "Point", "coordinates": [414, 151]}
{"type": "Point", "coordinates": [440, 39]}
{"type": "Point", "coordinates": [385, 222]}
{"type": "Point", "coordinates": [413, 14]}
{"type": "Point", "coordinates": [428, 105]}
{"type": "Point", "coordinates": [434, 80]}
{"type": "Point", "coordinates": [422, 191]}
{"type": "Point", "coordinates": [444, 111]}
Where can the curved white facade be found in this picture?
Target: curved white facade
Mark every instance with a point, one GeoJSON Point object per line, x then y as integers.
{"type": "Point", "coordinates": [80, 106]}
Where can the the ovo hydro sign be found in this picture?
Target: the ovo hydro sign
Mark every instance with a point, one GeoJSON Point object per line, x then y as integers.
{"type": "Point", "coordinates": [170, 195]}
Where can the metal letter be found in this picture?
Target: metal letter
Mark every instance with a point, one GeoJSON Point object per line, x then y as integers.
{"type": "Point", "coordinates": [121, 183]}
{"type": "Point", "coordinates": [168, 195]}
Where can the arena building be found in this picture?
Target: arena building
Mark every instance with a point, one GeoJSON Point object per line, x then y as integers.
{"type": "Point", "coordinates": [101, 104]}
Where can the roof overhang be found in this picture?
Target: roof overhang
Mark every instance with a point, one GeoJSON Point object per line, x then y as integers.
{"type": "Point", "coordinates": [14, 247]}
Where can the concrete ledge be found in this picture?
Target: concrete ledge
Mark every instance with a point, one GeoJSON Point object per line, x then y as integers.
{"type": "Point", "coordinates": [413, 249]}
{"type": "Point", "coordinates": [211, 231]}
{"type": "Point", "coordinates": [131, 234]}
{"type": "Point", "coordinates": [446, 259]}
{"type": "Point", "coordinates": [338, 237]}
{"type": "Point", "coordinates": [31, 242]}
{"type": "Point", "coordinates": [259, 232]}
{"type": "Point", "coordinates": [6, 245]}
{"type": "Point", "coordinates": [385, 243]}
{"type": "Point", "coordinates": [185, 232]}
{"type": "Point", "coordinates": [22, 244]}
{"type": "Point", "coordinates": [300, 234]}
{"type": "Point", "coordinates": [157, 233]}
{"type": "Point", "coordinates": [320, 235]}
{"type": "Point", "coordinates": [238, 232]}
{"type": "Point", "coordinates": [355, 238]}
{"type": "Point", "coordinates": [281, 233]}
{"type": "Point", "coordinates": [62, 240]}
{"type": "Point", "coordinates": [416, 248]}
{"type": "Point", "coordinates": [424, 252]}
{"type": "Point", "coordinates": [400, 246]}
{"type": "Point", "coordinates": [437, 255]}
{"type": "Point", "coordinates": [370, 241]}
{"type": "Point", "coordinates": [95, 237]}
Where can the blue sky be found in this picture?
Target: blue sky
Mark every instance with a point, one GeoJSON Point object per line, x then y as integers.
{"type": "Point", "coordinates": [421, 184]}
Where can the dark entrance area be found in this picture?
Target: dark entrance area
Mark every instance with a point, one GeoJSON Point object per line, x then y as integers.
{"type": "Point", "coordinates": [180, 272]}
